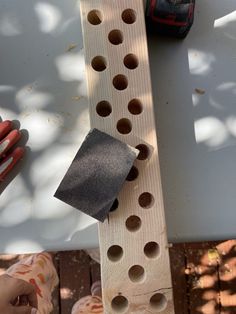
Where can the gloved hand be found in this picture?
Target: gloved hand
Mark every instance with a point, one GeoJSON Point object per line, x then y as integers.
{"type": "Point", "coordinates": [8, 138]}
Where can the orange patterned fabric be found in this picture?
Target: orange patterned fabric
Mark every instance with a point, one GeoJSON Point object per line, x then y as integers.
{"type": "Point", "coordinates": [88, 305]}
{"type": "Point", "coordinates": [38, 270]}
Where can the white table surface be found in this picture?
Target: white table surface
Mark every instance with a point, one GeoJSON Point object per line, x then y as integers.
{"type": "Point", "coordinates": [42, 85]}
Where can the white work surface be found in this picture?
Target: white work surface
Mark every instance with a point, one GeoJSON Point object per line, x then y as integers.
{"type": "Point", "coordinates": [42, 85]}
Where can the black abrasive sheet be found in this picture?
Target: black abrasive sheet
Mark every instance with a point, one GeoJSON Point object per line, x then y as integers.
{"type": "Point", "coordinates": [97, 174]}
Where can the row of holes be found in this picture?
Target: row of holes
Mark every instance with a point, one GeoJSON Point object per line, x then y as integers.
{"type": "Point", "coordinates": [128, 16]}
{"type": "Point", "coordinates": [136, 273]}
{"type": "Point", "coordinates": [124, 126]}
{"type": "Point", "coordinates": [158, 303]}
{"type": "Point", "coordinates": [151, 250]}
{"type": "Point", "coordinates": [104, 108]}
{"type": "Point", "coordinates": [145, 200]}
{"type": "Point", "coordinates": [99, 63]}
{"type": "Point", "coordinates": [120, 81]}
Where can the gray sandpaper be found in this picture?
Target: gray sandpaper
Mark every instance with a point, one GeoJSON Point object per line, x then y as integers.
{"type": "Point", "coordinates": [97, 174]}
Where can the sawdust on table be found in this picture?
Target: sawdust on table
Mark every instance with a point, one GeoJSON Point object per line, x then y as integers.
{"type": "Point", "coordinates": [200, 91]}
{"type": "Point", "coordinates": [71, 47]}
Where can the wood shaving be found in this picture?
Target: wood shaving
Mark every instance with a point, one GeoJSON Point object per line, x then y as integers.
{"type": "Point", "coordinates": [76, 97]}
{"type": "Point", "coordinates": [71, 47]}
{"type": "Point", "coordinates": [213, 254]}
{"type": "Point", "coordinates": [200, 91]}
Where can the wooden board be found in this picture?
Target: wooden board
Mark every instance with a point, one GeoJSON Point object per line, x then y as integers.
{"type": "Point", "coordinates": [203, 284]}
{"type": "Point", "coordinates": [74, 278]}
{"type": "Point", "coordinates": [180, 288]}
{"type": "Point", "coordinates": [227, 276]}
{"type": "Point", "coordinates": [134, 251]}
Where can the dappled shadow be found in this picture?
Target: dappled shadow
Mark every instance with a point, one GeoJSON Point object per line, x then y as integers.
{"type": "Point", "coordinates": [212, 278]}
{"type": "Point", "coordinates": [204, 278]}
{"type": "Point", "coordinates": [194, 111]}
{"type": "Point", "coordinates": [42, 84]}
{"type": "Point", "coordinates": [194, 96]}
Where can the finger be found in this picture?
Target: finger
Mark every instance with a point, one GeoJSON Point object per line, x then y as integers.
{"type": "Point", "coordinates": [9, 141]}
{"type": "Point", "coordinates": [23, 300]}
{"type": "Point", "coordinates": [226, 247]}
{"type": "Point", "coordinates": [5, 127]}
{"type": "Point", "coordinates": [9, 162]}
{"type": "Point", "coordinates": [25, 310]}
{"type": "Point", "coordinates": [26, 289]}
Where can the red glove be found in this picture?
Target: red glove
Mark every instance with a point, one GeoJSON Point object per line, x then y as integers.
{"type": "Point", "coordinates": [8, 138]}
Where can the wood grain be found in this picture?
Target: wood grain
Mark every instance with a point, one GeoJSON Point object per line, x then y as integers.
{"type": "Point", "coordinates": [179, 278]}
{"type": "Point", "coordinates": [74, 276]}
{"type": "Point", "coordinates": [120, 100]}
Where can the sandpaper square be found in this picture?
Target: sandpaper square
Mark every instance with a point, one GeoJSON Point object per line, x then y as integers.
{"type": "Point", "coordinates": [97, 174]}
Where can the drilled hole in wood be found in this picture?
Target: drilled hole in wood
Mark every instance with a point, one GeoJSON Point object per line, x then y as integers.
{"type": "Point", "coordinates": [115, 253]}
{"type": "Point", "coordinates": [99, 63]}
{"type": "Point", "coordinates": [144, 152]}
{"type": "Point", "coordinates": [129, 16]}
{"type": "Point", "coordinates": [158, 302]}
{"type": "Point", "coordinates": [146, 200]}
{"type": "Point", "coordinates": [124, 126]}
{"type": "Point", "coordinates": [103, 108]}
{"type": "Point", "coordinates": [116, 37]}
{"type": "Point", "coordinates": [131, 61]}
{"type": "Point", "coordinates": [152, 250]}
{"type": "Point", "coordinates": [135, 106]}
{"type": "Point", "coordinates": [120, 82]}
{"type": "Point", "coordinates": [120, 304]}
{"type": "Point", "coordinates": [133, 223]}
{"type": "Point", "coordinates": [95, 17]}
{"type": "Point", "coordinates": [115, 205]}
{"type": "Point", "coordinates": [136, 273]}
{"type": "Point", "coordinates": [133, 174]}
